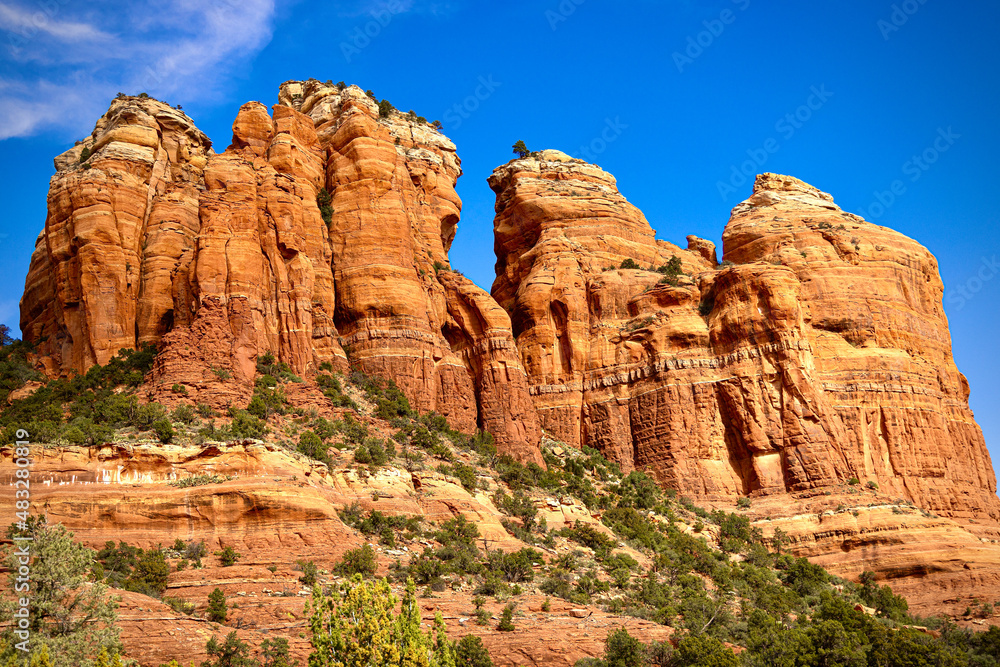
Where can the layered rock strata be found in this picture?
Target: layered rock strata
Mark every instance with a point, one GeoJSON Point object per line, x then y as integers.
{"type": "Point", "coordinates": [219, 258]}
{"type": "Point", "coordinates": [819, 351]}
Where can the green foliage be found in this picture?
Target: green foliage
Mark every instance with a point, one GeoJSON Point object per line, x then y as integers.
{"type": "Point", "coordinates": [325, 203]}
{"type": "Point", "coordinates": [183, 413]}
{"type": "Point", "coordinates": [359, 561]}
{"type": "Point", "coordinates": [310, 573]}
{"type": "Point", "coordinates": [85, 154]}
{"type": "Point", "coordinates": [516, 566]}
{"type": "Point", "coordinates": [703, 651]}
{"type": "Point", "coordinates": [197, 480]}
{"type": "Point", "coordinates": [520, 149]}
{"type": "Point", "coordinates": [312, 446]}
{"type": "Point", "coordinates": [274, 652]}
{"type": "Point", "coordinates": [506, 623]}
{"type": "Point", "coordinates": [357, 627]}
{"type": "Point", "coordinates": [245, 425]}
{"type": "Point", "coordinates": [333, 389]}
{"type": "Point", "coordinates": [164, 430]}
{"type": "Point", "coordinates": [885, 602]}
{"type": "Point", "coordinates": [623, 650]}
{"type": "Point", "coordinates": [385, 109]}
{"type": "Point", "coordinates": [372, 452]}
{"type": "Point", "coordinates": [232, 652]}
{"type": "Point", "coordinates": [470, 652]}
{"type": "Point", "coordinates": [70, 618]}
{"type": "Point", "coordinates": [217, 609]}
{"type": "Point", "coordinates": [466, 475]}
{"type": "Point", "coordinates": [800, 575]}
{"type": "Point", "coordinates": [629, 263]}
{"type": "Point", "coordinates": [98, 401]}
{"type": "Point", "coordinates": [149, 575]}
{"type": "Point", "coordinates": [228, 556]}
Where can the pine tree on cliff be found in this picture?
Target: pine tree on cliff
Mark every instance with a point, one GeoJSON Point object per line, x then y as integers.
{"type": "Point", "coordinates": [521, 149]}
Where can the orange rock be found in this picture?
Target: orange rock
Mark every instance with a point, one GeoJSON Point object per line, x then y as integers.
{"type": "Point", "coordinates": [218, 259]}
{"type": "Point", "coordinates": [562, 232]}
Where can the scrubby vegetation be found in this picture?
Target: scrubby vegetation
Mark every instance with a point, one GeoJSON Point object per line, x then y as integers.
{"type": "Point", "coordinates": [711, 575]}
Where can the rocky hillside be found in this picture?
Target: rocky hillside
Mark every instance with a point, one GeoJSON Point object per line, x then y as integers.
{"type": "Point", "coordinates": [577, 550]}
{"type": "Point", "coordinates": [810, 371]}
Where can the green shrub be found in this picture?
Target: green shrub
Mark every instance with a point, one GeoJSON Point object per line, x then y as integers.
{"type": "Point", "coordinates": [196, 480]}
{"type": "Point", "coordinates": [623, 650]}
{"type": "Point", "coordinates": [312, 446]}
{"type": "Point", "coordinates": [310, 573]}
{"type": "Point", "coordinates": [358, 561]}
{"type": "Point", "coordinates": [179, 605]}
{"type": "Point", "coordinates": [150, 573]}
{"type": "Point", "coordinates": [146, 415]}
{"type": "Point", "coordinates": [520, 149]}
{"type": "Point", "coordinates": [324, 202]}
{"type": "Point", "coordinates": [217, 610]}
{"type": "Point", "coordinates": [228, 556]}
{"type": "Point", "coordinates": [470, 652]}
{"type": "Point", "coordinates": [372, 452]}
{"type": "Point", "coordinates": [507, 618]}
{"type": "Point", "coordinates": [164, 430]}
{"type": "Point", "coordinates": [385, 109]}
{"type": "Point", "coordinates": [245, 425]}
{"type": "Point", "coordinates": [629, 263]}
{"type": "Point", "coordinates": [183, 413]}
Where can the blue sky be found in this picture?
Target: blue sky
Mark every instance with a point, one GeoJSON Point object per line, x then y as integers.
{"type": "Point", "coordinates": [673, 97]}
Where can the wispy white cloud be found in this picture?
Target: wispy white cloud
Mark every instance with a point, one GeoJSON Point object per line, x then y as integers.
{"type": "Point", "coordinates": [67, 65]}
{"type": "Point", "coordinates": [24, 21]}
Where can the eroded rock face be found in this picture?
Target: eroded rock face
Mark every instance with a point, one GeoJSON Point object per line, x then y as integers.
{"type": "Point", "coordinates": [889, 398]}
{"type": "Point", "coordinates": [821, 355]}
{"type": "Point", "coordinates": [219, 258]}
{"type": "Point", "coordinates": [121, 225]}
{"type": "Point", "coordinates": [402, 313]}
{"type": "Point", "coordinates": [562, 231]}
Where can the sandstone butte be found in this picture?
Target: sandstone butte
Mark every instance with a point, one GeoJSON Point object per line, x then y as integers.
{"type": "Point", "coordinates": [818, 353]}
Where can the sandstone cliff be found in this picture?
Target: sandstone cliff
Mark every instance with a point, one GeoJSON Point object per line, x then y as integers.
{"type": "Point", "coordinates": [820, 355]}
{"type": "Point", "coordinates": [219, 258]}
{"type": "Point", "coordinates": [814, 362]}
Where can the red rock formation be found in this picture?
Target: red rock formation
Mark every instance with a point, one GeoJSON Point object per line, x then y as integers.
{"type": "Point", "coordinates": [819, 352]}
{"type": "Point", "coordinates": [120, 226]}
{"type": "Point", "coordinates": [822, 355]}
{"type": "Point", "coordinates": [219, 258]}
{"type": "Point", "coordinates": [562, 232]}
{"type": "Point", "coordinates": [402, 313]}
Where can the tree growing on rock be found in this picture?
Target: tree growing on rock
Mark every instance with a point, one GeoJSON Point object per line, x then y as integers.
{"type": "Point", "coordinates": [71, 618]}
{"type": "Point", "coordinates": [357, 626]}
{"type": "Point", "coordinates": [217, 610]}
{"type": "Point", "coordinates": [521, 149]}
